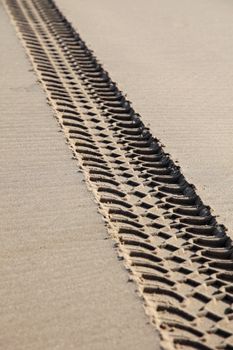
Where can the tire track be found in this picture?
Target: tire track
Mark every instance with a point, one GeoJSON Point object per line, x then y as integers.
{"type": "Point", "coordinates": [175, 251]}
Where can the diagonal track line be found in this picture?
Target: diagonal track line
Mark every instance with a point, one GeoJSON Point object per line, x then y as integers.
{"type": "Point", "coordinates": [175, 251]}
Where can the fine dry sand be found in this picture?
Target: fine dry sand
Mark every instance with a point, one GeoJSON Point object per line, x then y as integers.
{"type": "Point", "coordinates": [61, 285]}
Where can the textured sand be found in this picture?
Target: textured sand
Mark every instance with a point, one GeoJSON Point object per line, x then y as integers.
{"type": "Point", "coordinates": [57, 286]}
{"type": "Point", "coordinates": [174, 61]}
{"type": "Point", "coordinates": [61, 285]}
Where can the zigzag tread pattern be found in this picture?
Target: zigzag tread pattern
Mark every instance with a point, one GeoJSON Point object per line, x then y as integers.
{"type": "Point", "coordinates": [174, 249]}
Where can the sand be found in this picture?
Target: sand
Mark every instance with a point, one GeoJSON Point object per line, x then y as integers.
{"type": "Point", "coordinates": [61, 284]}
{"type": "Point", "coordinates": [173, 59]}
{"type": "Point", "coordinates": [58, 267]}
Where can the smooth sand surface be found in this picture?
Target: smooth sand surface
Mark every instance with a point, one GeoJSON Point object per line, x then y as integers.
{"type": "Point", "coordinates": [173, 58]}
{"type": "Point", "coordinates": [61, 285]}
